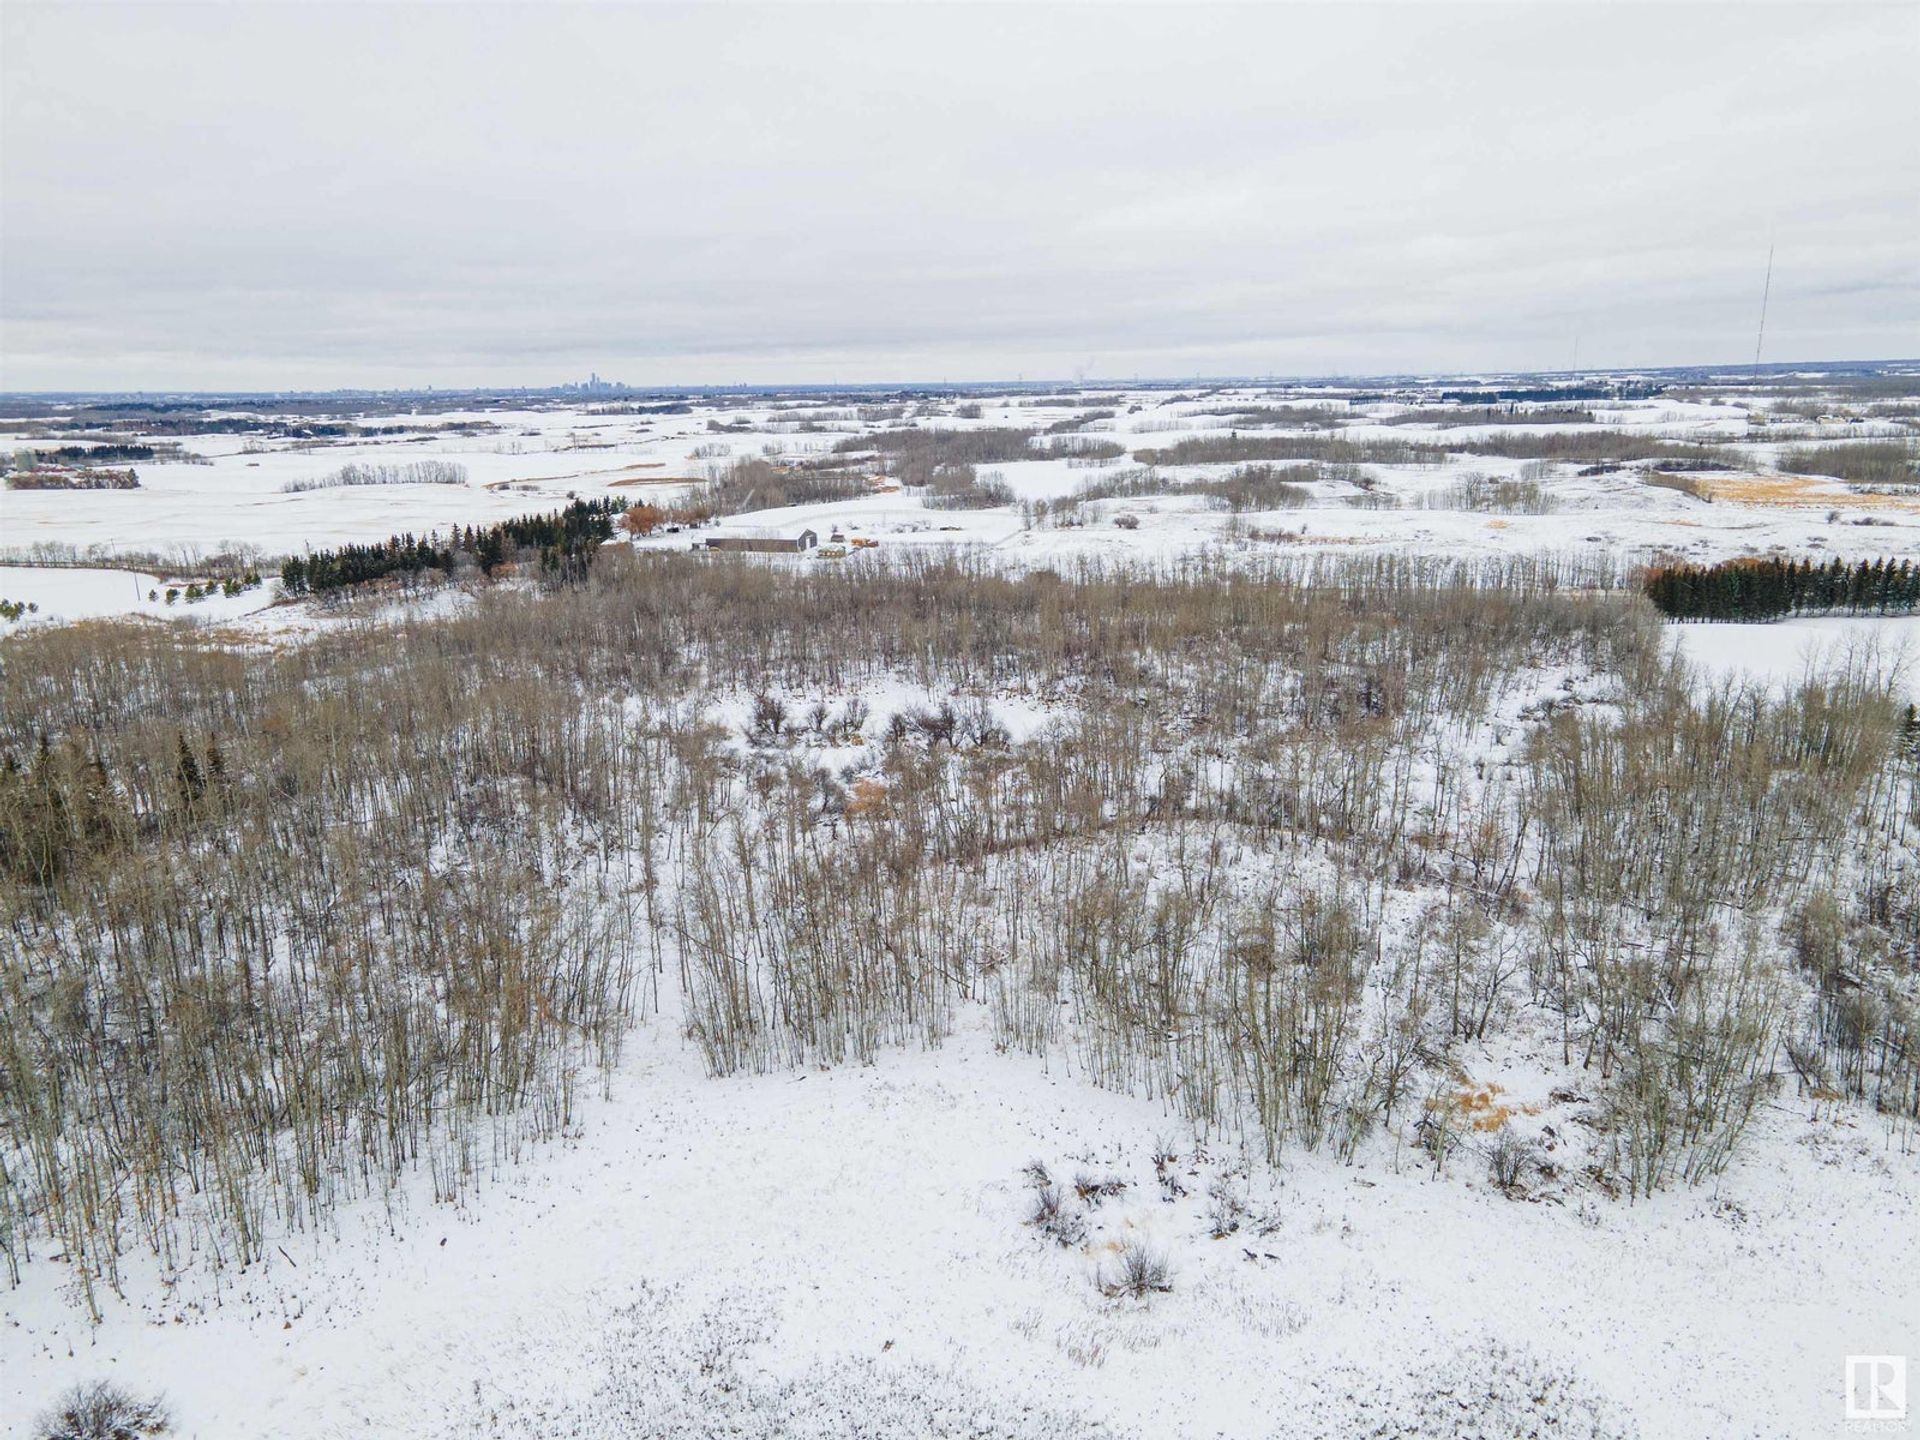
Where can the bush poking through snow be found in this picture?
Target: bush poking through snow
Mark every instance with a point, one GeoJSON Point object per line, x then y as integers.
{"type": "Point", "coordinates": [1137, 1271]}
{"type": "Point", "coordinates": [1046, 1204]}
{"type": "Point", "coordinates": [1051, 1217]}
{"type": "Point", "coordinates": [663, 1367]}
{"type": "Point", "coordinates": [770, 715]}
{"type": "Point", "coordinates": [102, 1410]}
{"type": "Point", "coordinates": [1093, 1189]}
{"type": "Point", "coordinates": [979, 729]}
{"type": "Point", "coordinates": [853, 720]}
{"type": "Point", "coordinates": [1508, 1161]}
{"type": "Point", "coordinates": [1225, 1209]}
{"type": "Point", "coordinates": [1165, 1163]}
{"type": "Point", "coordinates": [1485, 1391]}
{"type": "Point", "coordinates": [937, 725]}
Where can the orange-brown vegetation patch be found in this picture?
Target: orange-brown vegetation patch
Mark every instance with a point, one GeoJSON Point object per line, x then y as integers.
{"type": "Point", "coordinates": [1483, 1107]}
{"type": "Point", "coordinates": [1797, 491]}
{"type": "Point", "coordinates": [869, 798]}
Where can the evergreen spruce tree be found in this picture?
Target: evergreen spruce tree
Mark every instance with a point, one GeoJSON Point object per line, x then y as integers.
{"type": "Point", "coordinates": [186, 774]}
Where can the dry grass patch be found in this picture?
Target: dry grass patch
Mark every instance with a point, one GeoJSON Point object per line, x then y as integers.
{"type": "Point", "coordinates": [1798, 492]}
{"type": "Point", "coordinates": [1791, 490]}
{"type": "Point", "coordinates": [1485, 1108]}
{"type": "Point", "coordinates": [1794, 492]}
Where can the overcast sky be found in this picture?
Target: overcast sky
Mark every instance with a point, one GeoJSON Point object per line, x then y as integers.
{"type": "Point", "coordinates": [281, 195]}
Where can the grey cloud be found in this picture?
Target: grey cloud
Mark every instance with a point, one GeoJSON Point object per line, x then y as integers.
{"type": "Point", "coordinates": [358, 194]}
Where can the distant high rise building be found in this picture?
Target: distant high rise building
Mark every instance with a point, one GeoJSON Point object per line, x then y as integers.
{"type": "Point", "coordinates": [593, 385]}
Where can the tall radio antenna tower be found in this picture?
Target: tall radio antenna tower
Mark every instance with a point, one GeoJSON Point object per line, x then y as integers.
{"type": "Point", "coordinates": [1766, 291]}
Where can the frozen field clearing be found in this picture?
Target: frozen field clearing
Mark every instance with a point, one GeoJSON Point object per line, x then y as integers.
{"type": "Point", "coordinates": [1786, 652]}
{"type": "Point", "coordinates": [534, 459]}
{"type": "Point", "coordinates": [531, 463]}
{"type": "Point", "coordinates": [789, 1226]}
{"type": "Point", "coordinates": [67, 594]}
{"type": "Point", "coordinates": [210, 507]}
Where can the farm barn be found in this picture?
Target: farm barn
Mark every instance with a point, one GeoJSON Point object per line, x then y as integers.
{"type": "Point", "coordinates": [766, 542]}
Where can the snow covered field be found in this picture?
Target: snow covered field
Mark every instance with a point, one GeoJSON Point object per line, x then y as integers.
{"type": "Point", "coordinates": [860, 1234]}
{"type": "Point", "coordinates": [239, 497]}
{"type": "Point", "coordinates": [65, 594]}
{"type": "Point", "coordinates": [937, 1243]}
{"type": "Point", "coordinates": [533, 459]}
{"type": "Point", "coordinates": [1789, 652]}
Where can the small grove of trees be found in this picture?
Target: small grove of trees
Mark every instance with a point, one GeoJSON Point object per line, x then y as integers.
{"type": "Point", "coordinates": [350, 565]}
{"type": "Point", "coordinates": [1766, 589]}
{"type": "Point", "coordinates": [417, 472]}
{"type": "Point", "coordinates": [1490, 494]}
{"type": "Point", "coordinates": [961, 487]}
{"type": "Point", "coordinates": [1236, 449]}
{"type": "Point", "coordinates": [1453, 416]}
{"type": "Point", "coordinates": [67, 477]}
{"type": "Point", "coordinates": [643, 519]}
{"type": "Point", "coordinates": [751, 484]}
{"type": "Point", "coordinates": [914, 457]}
{"type": "Point", "coordinates": [1247, 488]}
{"type": "Point", "coordinates": [1569, 446]}
{"type": "Point", "coordinates": [197, 591]}
{"type": "Point", "coordinates": [65, 807]}
{"type": "Point", "coordinates": [1872, 462]}
{"type": "Point", "coordinates": [1083, 447]}
{"type": "Point", "coordinates": [98, 454]}
{"type": "Point", "coordinates": [564, 541]}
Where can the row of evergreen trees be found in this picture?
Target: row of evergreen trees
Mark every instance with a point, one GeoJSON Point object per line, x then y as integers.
{"type": "Point", "coordinates": [1766, 589]}
{"type": "Point", "coordinates": [563, 543]}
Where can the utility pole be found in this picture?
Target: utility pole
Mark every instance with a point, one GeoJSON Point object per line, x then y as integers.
{"type": "Point", "coordinates": [1766, 292]}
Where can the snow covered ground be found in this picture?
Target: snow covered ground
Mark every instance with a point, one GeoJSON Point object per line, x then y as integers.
{"type": "Point", "coordinates": [239, 499]}
{"type": "Point", "coordinates": [1788, 652]}
{"type": "Point", "coordinates": [850, 1251]}
{"type": "Point", "coordinates": [67, 594]}
{"type": "Point", "coordinates": [533, 459]}
{"type": "Point", "coordinates": [862, 1234]}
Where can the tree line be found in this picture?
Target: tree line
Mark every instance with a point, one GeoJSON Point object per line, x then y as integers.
{"type": "Point", "coordinates": [1766, 589]}
{"type": "Point", "coordinates": [563, 543]}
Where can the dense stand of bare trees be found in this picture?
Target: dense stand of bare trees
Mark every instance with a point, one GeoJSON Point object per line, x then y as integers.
{"type": "Point", "coordinates": [1569, 446]}
{"type": "Point", "coordinates": [279, 927]}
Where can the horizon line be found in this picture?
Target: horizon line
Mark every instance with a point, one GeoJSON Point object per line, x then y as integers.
{"type": "Point", "coordinates": [615, 387]}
